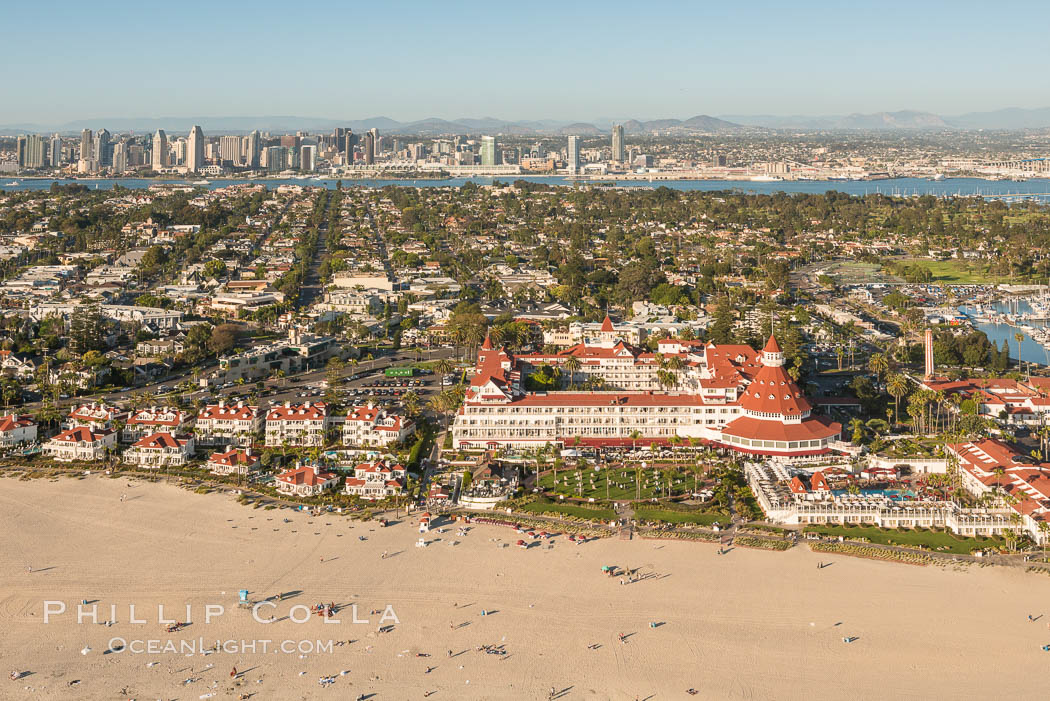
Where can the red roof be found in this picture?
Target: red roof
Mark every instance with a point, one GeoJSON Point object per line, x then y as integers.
{"type": "Point", "coordinates": [818, 483]}
{"type": "Point", "coordinates": [298, 412]}
{"type": "Point", "coordinates": [229, 412]}
{"type": "Point", "coordinates": [233, 457]}
{"type": "Point", "coordinates": [611, 399]}
{"type": "Point", "coordinates": [813, 428]}
{"type": "Point", "coordinates": [607, 324]}
{"type": "Point", "coordinates": [13, 421]}
{"type": "Point", "coordinates": [306, 476]}
{"type": "Point", "coordinates": [161, 440]}
{"type": "Point", "coordinates": [81, 434]}
{"type": "Point", "coordinates": [158, 417]}
{"type": "Point", "coordinates": [773, 391]}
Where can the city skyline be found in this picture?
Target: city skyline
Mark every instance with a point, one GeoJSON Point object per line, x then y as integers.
{"type": "Point", "coordinates": [667, 61]}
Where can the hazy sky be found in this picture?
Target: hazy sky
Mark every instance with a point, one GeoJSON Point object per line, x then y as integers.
{"type": "Point", "coordinates": [528, 59]}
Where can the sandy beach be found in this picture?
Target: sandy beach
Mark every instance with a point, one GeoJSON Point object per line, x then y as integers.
{"type": "Point", "coordinates": [745, 625]}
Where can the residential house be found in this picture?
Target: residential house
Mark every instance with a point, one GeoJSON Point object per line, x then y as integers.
{"type": "Point", "coordinates": [15, 430]}
{"type": "Point", "coordinates": [146, 422]}
{"type": "Point", "coordinates": [297, 424]}
{"type": "Point", "coordinates": [81, 443]}
{"type": "Point", "coordinates": [372, 426]}
{"type": "Point", "coordinates": [222, 424]}
{"type": "Point", "coordinates": [234, 461]}
{"type": "Point", "coordinates": [160, 450]}
{"type": "Point", "coordinates": [377, 480]}
{"type": "Point", "coordinates": [11, 364]}
{"type": "Point", "coordinates": [306, 481]}
{"type": "Point", "coordinates": [96, 415]}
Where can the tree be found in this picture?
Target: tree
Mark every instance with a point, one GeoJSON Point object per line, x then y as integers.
{"type": "Point", "coordinates": [897, 386]}
{"type": "Point", "coordinates": [857, 426]}
{"type": "Point", "coordinates": [334, 371]}
{"type": "Point", "coordinates": [215, 269]}
{"type": "Point", "coordinates": [572, 366]}
{"type": "Point", "coordinates": [878, 364]}
{"type": "Point", "coordinates": [223, 338]}
{"type": "Point", "coordinates": [444, 367]}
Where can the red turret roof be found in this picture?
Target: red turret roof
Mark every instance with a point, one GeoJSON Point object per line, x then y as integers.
{"type": "Point", "coordinates": [771, 346]}
{"type": "Point", "coordinates": [774, 392]}
{"type": "Point", "coordinates": [607, 325]}
{"type": "Point", "coordinates": [487, 345]}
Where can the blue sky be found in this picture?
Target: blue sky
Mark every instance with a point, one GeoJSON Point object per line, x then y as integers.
{"type": "Point", "coordinates": [531, 59]}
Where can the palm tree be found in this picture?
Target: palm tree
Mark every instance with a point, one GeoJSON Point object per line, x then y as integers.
{"type": "Point", "coordinates": [440, 403]}
{"type": "Point", "coordinates": [411, 403]}
{"type": "Point", "coordinates": [998, 472]}
{"type": "Point", "coordinates": [878, 364]}
{"type": "Point", "coordinates": [473, 335]}
{"type": "Point", "coordinates": [496, 336]}
{"type": "Point", "coordinates": [840, 353]}
{"type": "Point", "coordinates": [444, 367]}
{"type": "Point", "coordinates": [897, 386]}
{"type": "Point", "coordinates": [857, 426]}
{"type": "Point", "coordinates": [1044, 532]}
{"type": "Point", "coordinates": [572, 366]}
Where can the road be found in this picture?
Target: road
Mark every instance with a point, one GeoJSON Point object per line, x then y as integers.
{"type": "Point", "coordinates": [275, 390]}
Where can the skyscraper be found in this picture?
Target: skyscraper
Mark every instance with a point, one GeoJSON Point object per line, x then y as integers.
{"type": "Point", "coordinates": [253, 150]}
{"type": "Point", "coordinates": [377, 142]}
{"type": "Point", "coordinates": [573, 154]}
{"type": "Point", "coordinates": [488, 150]}
{"type": "Point", "coordinates": [274, 158]}
{"type": "Point", "coordinates": [348, 147]}
{"type": "Point", "coordinates": [370, 147]}
{"type": "Point", "coordinates": [85, 145]}
{"type": "Point", "coordinates": [101, 150]}
{"type": "Point", "coordinates": [617, 143]}
{"type": "Point", "coordinates": [31, 151]}
{"type": "Point", "coordinates": [160, 150]}
{"type": "Point", "coordinates": [120, 157]}
{"type": "Point", "coordinates": [55, 152]}
{"type": "Point", "coordinates": [230, 149]}
{"type": "Point", "coordinates": [195, 150]}
{"type": "Point", "coordinates": [307, 158]}
{"type": "Point", "coordinates": [34, 157]}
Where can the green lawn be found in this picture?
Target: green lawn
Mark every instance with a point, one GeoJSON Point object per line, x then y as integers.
{"type": "Point", "coordinates": [957, 272]}
{"type": "Point", "coordinates": [669, 516]}
{"type": "Point", "coordinates": [569, 510]}
{"type": "Point", "coordinates": [622, 485]}
{"type": "Point", "coordinates": [941, 541]}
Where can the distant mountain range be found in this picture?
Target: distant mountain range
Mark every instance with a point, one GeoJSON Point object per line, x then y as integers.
{"type": "Point", "coordinates": [430, 126]}
{"type": "Point", "coordinates": [1011, 118]}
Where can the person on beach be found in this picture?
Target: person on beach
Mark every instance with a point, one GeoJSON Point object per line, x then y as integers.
{"type": "Point", "coordinates": [233, 673]}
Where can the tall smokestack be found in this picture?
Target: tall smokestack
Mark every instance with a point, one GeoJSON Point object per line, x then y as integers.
{"type": "Point", "coordinates": [929, 353]}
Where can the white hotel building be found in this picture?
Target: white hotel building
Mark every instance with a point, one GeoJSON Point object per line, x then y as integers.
{"type": "Point", "coordinates": [732, 397]}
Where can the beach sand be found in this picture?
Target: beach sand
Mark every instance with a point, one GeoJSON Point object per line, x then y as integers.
{"type": "Point", "coordinates": [745, 625]}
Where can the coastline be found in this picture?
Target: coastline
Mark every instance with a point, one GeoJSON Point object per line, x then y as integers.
{"type": "Point", "coordinates": [745, 625]}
